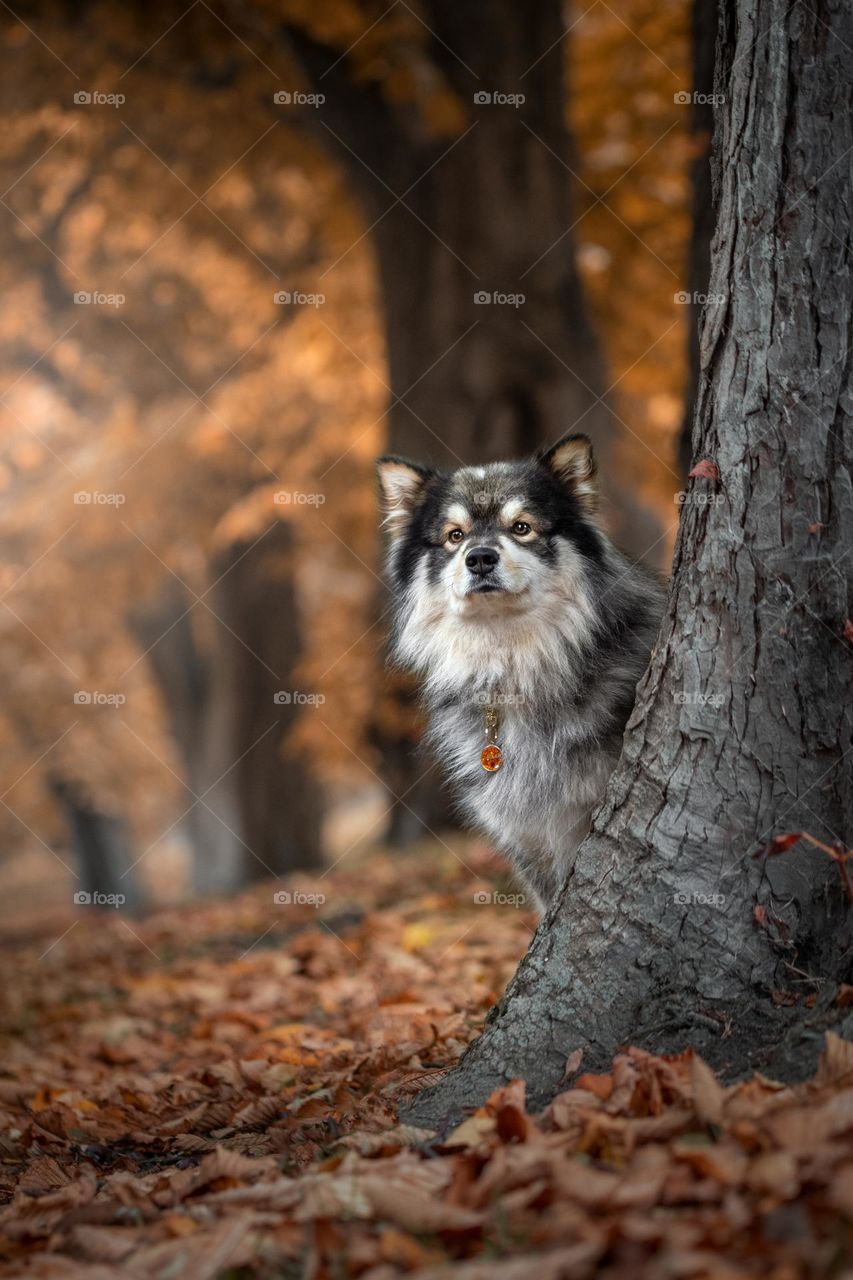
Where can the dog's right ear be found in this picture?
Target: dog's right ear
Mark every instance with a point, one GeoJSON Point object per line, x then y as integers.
{"type": "Point", "coordinates": [402, 485]}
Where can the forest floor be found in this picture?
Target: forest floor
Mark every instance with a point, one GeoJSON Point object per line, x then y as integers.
{"type": "Point", "coordinates": [213, 1092]}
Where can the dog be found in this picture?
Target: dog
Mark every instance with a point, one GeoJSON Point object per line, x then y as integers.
{"type": "Point", "coordinates": [529, 630]}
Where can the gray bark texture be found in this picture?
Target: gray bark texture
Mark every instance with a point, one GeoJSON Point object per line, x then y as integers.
{"type": "Point", "coordinates": [670, 932]}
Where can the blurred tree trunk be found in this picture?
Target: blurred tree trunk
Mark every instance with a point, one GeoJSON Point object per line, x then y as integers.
{"type": "Point", "coordinates": [99, 845]}
{"type": "Point", "coordinates": [278, 798]}
{"type": "Point", "coordinates": [703, 37]}
{"type": "Point", "coordinates": [668, 932]}
{"type": "Point", "coordinates": [253, 810]}
{"type": "Point", "coordinates": [484, 211]}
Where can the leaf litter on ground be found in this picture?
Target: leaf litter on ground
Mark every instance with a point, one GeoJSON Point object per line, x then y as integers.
{"type": "Point", "coordinates": [213, 1092]}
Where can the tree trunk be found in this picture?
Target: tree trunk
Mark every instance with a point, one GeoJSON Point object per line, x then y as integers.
{"type": "Point", "coordinates": [100, 848]}
{"type": "Point", "coordinates": [703, 40]}
{"type": "Point", "coordinates": [483, 214]}
{"type": "Point", "coordinates": [669, 932]}
{"type": "Point", "coordinates": [228, 683]}
{"type": "Point", "coordinates": [260, 643]}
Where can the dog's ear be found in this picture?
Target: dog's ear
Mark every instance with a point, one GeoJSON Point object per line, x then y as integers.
{"type": "Point", "coordinates": [572, 461]}
{"type": "Point", "coordinates": [402, 485]}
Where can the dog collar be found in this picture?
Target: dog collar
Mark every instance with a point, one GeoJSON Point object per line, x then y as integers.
{"type": "Point", "coordinates": [491, 757]}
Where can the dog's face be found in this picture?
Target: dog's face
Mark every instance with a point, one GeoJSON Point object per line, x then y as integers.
{"type": "Point", "coordinates": [484, 542]}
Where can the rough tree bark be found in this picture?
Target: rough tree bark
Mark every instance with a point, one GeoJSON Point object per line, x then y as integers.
{"type": "Point", "coordinates": [669, 932]}
{"type": "Point", "coordinates": [703, 42]}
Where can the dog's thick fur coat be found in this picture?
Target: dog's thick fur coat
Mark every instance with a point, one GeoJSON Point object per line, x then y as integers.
{"type": "Point", "coordinates": [507, 593]}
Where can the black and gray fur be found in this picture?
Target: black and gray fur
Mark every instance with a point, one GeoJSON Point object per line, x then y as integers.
{"type": "Point", "coordinates": [508, 593]}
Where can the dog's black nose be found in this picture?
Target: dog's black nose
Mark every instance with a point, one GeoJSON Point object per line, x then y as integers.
{"type": "Point", "coordinates": [482, 560]}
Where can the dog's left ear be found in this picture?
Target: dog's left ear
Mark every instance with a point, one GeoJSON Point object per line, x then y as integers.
{"type": "Point", "coordinates": [402, 485]}
{"type": "Point", "coordinates": [572, 461]}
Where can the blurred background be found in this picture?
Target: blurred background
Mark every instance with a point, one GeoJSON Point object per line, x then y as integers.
{"type": "Point", "coordinates": [246, 248]}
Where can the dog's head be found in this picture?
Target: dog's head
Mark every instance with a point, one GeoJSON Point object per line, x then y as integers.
{"type": "Point", "coordinates": [487, 536]}
{"type": "Point", "coordinates": [491, 549]}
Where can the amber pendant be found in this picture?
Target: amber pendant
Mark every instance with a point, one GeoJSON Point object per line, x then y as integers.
{"type": "Point", "coordinates": [491, 757]}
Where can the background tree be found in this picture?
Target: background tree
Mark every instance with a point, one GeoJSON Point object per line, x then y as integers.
{"type": "Point", "coordinates": [670, 931]}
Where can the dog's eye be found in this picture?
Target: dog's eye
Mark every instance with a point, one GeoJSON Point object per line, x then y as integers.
{"type": "Point", "coordinates": [455, 535]}
{"type": "Point", "coordinates": [520, 528]}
